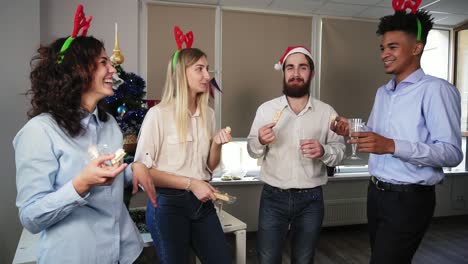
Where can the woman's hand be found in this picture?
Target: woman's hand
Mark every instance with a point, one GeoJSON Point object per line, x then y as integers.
{"type": "Point", "coordinates": [141, 176]}
{"type": "Point", "coordinates": [202, 190]}
{"type": "Point", "coordinates": [97, 173]}
{"type": "Point", "coordinates": [222, 137]}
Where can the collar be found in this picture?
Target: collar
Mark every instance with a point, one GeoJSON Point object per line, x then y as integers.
{"type": "Point", "coordinates": [196, 114]}
{"type": "Point", "coordinates": [284, 103]}
{"type": "Point", "coordinates": [414, 77]}
{"type": "Point", "coordinates": [87, 119]}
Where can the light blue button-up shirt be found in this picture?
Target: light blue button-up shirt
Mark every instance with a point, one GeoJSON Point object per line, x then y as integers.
{"type": "Point", "coordinates": [422, 115]}
{"type": "Point", "coordinates": [96, 228]}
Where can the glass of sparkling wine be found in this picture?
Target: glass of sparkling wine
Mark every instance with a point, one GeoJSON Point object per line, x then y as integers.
{"type": "Point", "coordinates": [355, 125]}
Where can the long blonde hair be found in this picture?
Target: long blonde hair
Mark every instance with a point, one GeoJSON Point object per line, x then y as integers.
{"type": "Point", "coordinates": [176, 92]}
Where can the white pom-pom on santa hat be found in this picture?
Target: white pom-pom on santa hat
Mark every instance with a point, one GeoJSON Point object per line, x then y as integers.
{"type": "Point", "coordinates": [290, 50]}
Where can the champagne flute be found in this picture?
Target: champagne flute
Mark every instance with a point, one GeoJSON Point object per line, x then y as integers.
{"type": "Point", "coordinates": [355, 125]}
{"type": "Point", "coordinates": [219, 208]}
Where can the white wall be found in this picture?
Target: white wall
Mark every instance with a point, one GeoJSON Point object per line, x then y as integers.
{"type": "Point", "coordinates": [57, 21]}
{"type": "Point", "coordinates": [24, 24]}
{"type": "Point", "coordinates": [19, 30]}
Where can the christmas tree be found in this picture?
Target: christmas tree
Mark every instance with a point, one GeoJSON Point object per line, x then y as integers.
{"type": "Point", "coordinates": [127, 104]}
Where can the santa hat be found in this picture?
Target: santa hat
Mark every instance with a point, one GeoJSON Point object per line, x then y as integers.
{"type": "Point", "coordinates": [290, 50]}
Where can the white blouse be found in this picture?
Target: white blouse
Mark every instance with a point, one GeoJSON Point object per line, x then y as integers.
{"type": "Point", "coordinates": [159, 146]}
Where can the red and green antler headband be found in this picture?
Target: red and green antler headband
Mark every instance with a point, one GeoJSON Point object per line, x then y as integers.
{"type": "Point", "coordinates": [180, 38]}
{"type": "Point", "coordinates": [80, 22]}
{"type": "Point", "coordinates": [402, 5]}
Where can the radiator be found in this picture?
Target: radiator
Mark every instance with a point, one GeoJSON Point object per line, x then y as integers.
{"type": "Point", "coordinates": [345, 212]}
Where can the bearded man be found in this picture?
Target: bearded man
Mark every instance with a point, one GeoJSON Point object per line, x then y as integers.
{"type": "Point", "coordinates": [292, 137]}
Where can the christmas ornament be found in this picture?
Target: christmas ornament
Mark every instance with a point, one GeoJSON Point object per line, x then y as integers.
{"type": "Point", "coordinates": [121, 110]}
{"type": "Point", "coordinates": [117, 58]}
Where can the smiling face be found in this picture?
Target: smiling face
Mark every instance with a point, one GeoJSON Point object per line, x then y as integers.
{"type": "Point", "coordinates": [198, 78]}
{"type": "Point", "coordinates": [101, 86]}
{"type": "Point", "coordinates": [297, 75]}
{"type": "Point", "coordinates": [400, 54]}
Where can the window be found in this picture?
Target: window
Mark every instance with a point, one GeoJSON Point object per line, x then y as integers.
{"type": "Point", "coordinates": [236, 162]}
{"type": "Point", "coordinates": [435, 59]}
{"type": "Point", "coordinates": [461, 72]}
{"type": "Point", "coordinates": [461, 82]}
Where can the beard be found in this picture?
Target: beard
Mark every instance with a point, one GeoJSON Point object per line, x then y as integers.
{"type": "Point", "coordinates": [296, 90]}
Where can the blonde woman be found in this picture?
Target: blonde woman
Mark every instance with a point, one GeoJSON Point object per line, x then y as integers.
{"type": "Point", "coordinates": [178, 143]}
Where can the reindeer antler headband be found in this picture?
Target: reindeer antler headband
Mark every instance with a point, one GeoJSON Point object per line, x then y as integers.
{"type": "Point", "coordinates": [402, 5]}
{"type": "Point", "coordinates": [180, 38]}
{"type": "Point", "coordinates": [80, 22]}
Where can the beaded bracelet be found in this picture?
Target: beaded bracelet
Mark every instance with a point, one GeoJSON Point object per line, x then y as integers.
{"type": "Point", "coordinates": [189, 184]}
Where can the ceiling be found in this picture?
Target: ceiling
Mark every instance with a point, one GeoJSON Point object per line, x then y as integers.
{"type": "Point", "coordinates": [445, 12]}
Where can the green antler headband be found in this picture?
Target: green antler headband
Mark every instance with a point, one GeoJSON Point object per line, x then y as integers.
{"type": "Point", "coordinates": [180, 38]}
{"type": "Point", "coordinates": [80, 22]}
{"type": "Point", "coordinates": [402, 5]}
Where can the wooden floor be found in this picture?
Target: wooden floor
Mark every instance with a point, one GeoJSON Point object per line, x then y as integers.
{"type": "Point", "coordinates": [446, 242]}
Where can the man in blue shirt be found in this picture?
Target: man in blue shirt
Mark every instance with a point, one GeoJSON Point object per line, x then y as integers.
{"type": "Point", "coordinates": [414, 131]}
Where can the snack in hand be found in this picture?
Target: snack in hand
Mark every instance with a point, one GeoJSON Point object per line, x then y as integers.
{"type": "Point", "coordinates": [119, 154]}
{"type": "Point", "coordinates": [93, 152]}
{"type": "Point", "coordinates": [225, 197]}
{"type": "Point", "coordinates": [277, 116]}
{"type": "Point", "coordinates": [228, 129]}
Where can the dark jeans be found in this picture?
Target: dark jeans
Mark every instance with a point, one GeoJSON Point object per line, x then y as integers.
{"type": "Point", "coordinates": [297, 210]}
{"type": "Point", "coordinates": [181, 222]}
{"type": "Point", "coordinates": [397, 222]}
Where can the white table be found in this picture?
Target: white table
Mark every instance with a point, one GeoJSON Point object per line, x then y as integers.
{"type": "Point", "coordinates": [231, 224]}
{"type": "Point", "coordinates": [26, 252]}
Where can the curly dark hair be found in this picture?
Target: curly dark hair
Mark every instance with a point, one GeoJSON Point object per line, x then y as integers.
{"type": "Point", "coordinates": [56, 88]}
{"type": "Point", "coordinates": [401, 21]}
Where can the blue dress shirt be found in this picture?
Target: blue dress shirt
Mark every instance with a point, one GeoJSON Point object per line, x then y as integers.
{"type": "Point", "coordinates": [422, 115]}
{"type": "Point", "coordinates": [96, 228]}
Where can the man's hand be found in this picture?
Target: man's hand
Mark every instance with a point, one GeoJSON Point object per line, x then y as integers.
{"type": "Point", "coordinates": [370, 142]}
{"type": "Point", "coordinates": [311, 148]}
{"type": "Point", "coordinates": [141, 176]}
{"type": "Point", "coordinates": [266, 135]}
{"type": "Point", "coordinates": [340, 126]}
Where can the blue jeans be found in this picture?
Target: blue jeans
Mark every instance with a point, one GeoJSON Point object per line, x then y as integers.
{"type": "Point", "coordinates": [301, 211]}
{"type": "Point", "coordinates": [181, 222]}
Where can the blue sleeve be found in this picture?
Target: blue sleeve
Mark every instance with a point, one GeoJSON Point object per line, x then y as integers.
{"type": "Point", "coordinates": [370, 125]}
{"type": "Point", "coordinates": [128, 173]}
{"type": "Point", "coordinates": [442, 112]}
{"type": "Point", "coordinates": [41, 203]}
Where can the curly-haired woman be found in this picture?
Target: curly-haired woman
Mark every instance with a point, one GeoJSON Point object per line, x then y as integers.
{"type": "Point", "coordinates": [76, 203]}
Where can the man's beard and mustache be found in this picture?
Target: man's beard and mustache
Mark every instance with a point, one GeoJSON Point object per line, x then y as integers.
{"type": "Point", "coordinates": [296, 90]}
